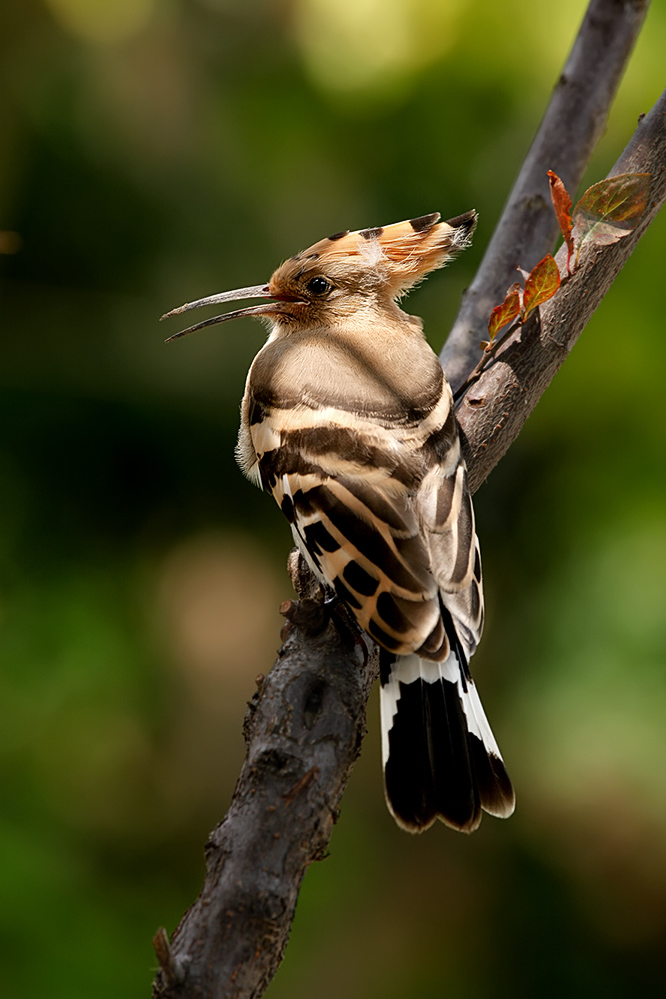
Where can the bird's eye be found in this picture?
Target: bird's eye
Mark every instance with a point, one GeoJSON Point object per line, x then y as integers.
{"type": "Point", "coordinates": [318, 286]}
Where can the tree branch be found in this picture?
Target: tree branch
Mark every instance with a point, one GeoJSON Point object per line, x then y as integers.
{"type": "Point", "coordinates": [305, 724]}
{"type": "Point", "coordinates": [303, 730]}
{"type": "Point", "coordinates": [495, 408]}
{"type": "Point", "coordinates": [572, 125]}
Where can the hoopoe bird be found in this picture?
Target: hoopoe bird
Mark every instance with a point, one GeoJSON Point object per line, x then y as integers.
{"type": "Point", "coordinates": [348, 420]}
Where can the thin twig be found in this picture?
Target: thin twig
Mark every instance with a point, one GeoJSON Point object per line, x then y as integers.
{"type": "Point", "coordinates": [489, 353]}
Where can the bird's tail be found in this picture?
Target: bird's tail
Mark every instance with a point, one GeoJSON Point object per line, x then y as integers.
{"type": "Point", "coordinates": [440, 757]}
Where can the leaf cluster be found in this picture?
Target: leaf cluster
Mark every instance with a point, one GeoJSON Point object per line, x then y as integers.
{"type": "Point", "coordinates": [605, 213]}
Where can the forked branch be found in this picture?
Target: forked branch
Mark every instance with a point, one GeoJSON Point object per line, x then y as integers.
{"type": "Point", "coordinates": [306, 722]}
{"type": "Point", "coordinates": [571, 127]}
{"type": "Point", "coordinates": [495, 408]}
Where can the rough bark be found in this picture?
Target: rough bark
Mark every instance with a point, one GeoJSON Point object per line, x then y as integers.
{"type": "Point", "coordinates": [306, 722]}
{"type": "Point", "coordinates": [303, 730]}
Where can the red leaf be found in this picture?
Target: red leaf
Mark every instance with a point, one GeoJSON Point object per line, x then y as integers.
{"type": "Point", "coordinates": [541, 285]}
{"type": "Point", "coordinates": [562, 205]}
{"type": "Point", "coordinates": [506, 312]}
{"type": "Point", "coordinates": [610, 209]}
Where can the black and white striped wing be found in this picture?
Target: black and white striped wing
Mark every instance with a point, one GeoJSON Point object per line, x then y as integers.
{"type": "Point", "coordinates": [447, 519]}
{"type": "Point", "coordinates": [367, 545]}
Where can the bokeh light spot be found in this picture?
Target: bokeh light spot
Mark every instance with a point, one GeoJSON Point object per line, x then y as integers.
{"type": "Point", "coordinates": [101, 21]}
{"type": "Point", "coordinates": [372, 45]}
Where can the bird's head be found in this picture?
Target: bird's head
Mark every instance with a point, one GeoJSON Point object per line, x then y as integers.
{"type": "Point", "coordinates": [346, 272]}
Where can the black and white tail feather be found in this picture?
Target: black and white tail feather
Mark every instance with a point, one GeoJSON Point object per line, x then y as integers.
{"type": "Point", "coordinates": [440, 756]}
{"type": "Point", "coordinates": [348, 420]}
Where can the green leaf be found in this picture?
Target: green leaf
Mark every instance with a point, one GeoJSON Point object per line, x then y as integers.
{"type": "Point", "coordinates": [609, 210]}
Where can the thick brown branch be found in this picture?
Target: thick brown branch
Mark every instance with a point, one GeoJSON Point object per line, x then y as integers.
{"type": "Point", "coordinates": [303, 730]}
{"type": "Point", "coordinates": [572, 125]}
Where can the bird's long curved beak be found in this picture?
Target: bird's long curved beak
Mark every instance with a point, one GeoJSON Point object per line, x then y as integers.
{"type": "Point", "coordinates": [255, 291]}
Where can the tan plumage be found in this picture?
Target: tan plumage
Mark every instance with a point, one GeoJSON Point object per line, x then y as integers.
{"type": "Point", "coordinates": [348, 420]}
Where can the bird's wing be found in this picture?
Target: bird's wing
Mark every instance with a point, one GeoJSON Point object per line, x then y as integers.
{"type": "Point", "coordinates": [360, 533]}
{"type": "Point", "coordinates": [446, 514]}
{"type": "Point", "coordinates": [380, 521]}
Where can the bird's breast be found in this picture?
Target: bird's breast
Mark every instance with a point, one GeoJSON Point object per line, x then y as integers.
{"type": "Point", "coordinates": [335, 408]}
{"type": "Point", "coordinates": [393, 379]}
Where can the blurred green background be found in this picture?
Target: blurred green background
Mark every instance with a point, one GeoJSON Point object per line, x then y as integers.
{"type": "Point", "coordinates": [154, 151]}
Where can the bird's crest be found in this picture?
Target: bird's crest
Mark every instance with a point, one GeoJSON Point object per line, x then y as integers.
{"type": "Point", "coordinates": [403, 252]}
